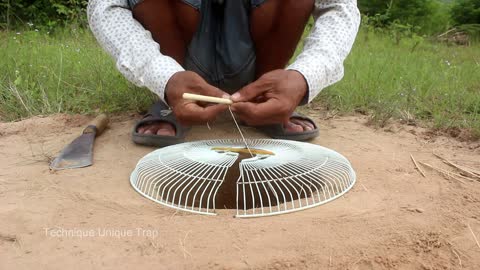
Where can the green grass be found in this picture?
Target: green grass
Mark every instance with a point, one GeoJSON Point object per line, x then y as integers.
{"type": "Point", "coordinates": [66, 72]}
{"type": "Point", "coordinates": [416, 80]}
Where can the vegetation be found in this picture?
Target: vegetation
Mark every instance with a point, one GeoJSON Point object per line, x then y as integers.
{"type": "Point", "coordinates": [46, 14]}
{"type": "Point", "coordinates": [65, 71]}
{"type": "Point", "coordinates": [416, 82]}
{"type": "Point", "coordinates": [466, 12]}
{"type": "Point", "coordinates": [429, 16]}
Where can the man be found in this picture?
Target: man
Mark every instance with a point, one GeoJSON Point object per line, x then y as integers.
{"type": "Point", "coordinates": [236, 49]}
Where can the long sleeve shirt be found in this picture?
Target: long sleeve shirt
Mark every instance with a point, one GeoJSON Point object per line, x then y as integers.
{"type": "Point", "coordinates": [139, 59]}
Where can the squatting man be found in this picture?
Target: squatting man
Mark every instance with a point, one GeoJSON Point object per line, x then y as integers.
{"type": "Point", "coordinates": [237, 49]}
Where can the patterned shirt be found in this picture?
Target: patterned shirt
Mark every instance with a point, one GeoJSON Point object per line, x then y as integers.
{"type": "Point", "coordinates": [139, 59]}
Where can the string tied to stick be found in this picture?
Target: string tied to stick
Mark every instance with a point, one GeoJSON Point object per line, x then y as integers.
{"type": "Point", "coordinates": [225, 101]}
{"type": "Point", "coordinates": [239, 130]}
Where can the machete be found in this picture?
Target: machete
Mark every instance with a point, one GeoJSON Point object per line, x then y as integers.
{"type": "Point", "coordinates": [79, 153]}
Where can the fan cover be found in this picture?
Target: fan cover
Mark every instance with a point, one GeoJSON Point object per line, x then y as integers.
{"type": "Point", "coordinates": [281, 177]}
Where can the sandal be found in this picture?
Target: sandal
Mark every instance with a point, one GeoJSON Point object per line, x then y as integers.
{"type": "Point", "coordinates": [159, 112]}
{"type": "Point", "coordinates": [277, 131]}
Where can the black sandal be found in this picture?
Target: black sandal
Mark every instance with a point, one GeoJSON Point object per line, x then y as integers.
{"type": "Point", "coordinates": [277, 131]}
{"type": "Point", "coordinates": [159, 112]}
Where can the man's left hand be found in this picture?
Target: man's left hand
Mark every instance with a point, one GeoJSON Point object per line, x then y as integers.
{"type": "Point", "coordinates": [271, 99]}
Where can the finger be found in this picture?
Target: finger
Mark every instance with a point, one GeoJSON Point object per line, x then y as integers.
{"type": "Point", "coordinates": [209, 90]}
{"type": "Point", "coordinates": [252, 91]}
{"type": "Point", "coordinates": [241, 108]}
{"type": "Point", "coordinates": [260, 99]}
{"type": "Point", "coordinates": [241, 117]}
{"type": "Point", "coordinates": [211, 112]}
{"type": "Point", "coordinates": [194, 114]}
{"type": "Point", "coordinates": [255, 114]}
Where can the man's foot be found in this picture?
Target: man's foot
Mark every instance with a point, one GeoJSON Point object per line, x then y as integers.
{"type": "Point", "coordinates": [157, 128]}
{"type": "Point", "coordinates": [296, 125]}
{"type": "Point", "coordinates": [166, 129]}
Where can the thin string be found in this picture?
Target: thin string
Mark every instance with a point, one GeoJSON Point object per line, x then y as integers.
{"type": "Point", "coordinates": [239, 130]}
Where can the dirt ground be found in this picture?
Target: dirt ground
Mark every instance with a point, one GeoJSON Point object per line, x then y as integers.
{"type": "Point", "coordinates": [92, 218]}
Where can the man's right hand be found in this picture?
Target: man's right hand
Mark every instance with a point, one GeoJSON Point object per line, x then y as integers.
{"type": "Point", "coordinates": [190, 112]}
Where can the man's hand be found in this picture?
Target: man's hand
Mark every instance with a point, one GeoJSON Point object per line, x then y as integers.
{"type": "Point", "coordinates": [189, 112]}
{"type": "Point", "coordinates": [271, 99]}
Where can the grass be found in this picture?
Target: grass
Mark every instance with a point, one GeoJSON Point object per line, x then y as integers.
{"type": "Point", "coordinates": [67, 72]}
{"type": "Point", "coordinates": [415, 80]}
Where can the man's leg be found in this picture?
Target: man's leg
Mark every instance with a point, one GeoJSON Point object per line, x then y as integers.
{"type": "Point", "coordinates": [276, 27]}
{"type": "Point", "coordinates": [172, 24]}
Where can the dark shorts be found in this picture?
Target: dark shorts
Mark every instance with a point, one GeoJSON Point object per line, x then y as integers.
{"type": "Point", "coordinates": [222, 50]}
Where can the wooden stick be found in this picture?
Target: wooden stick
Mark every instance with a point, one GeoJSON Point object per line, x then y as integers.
{"type": "Point", "coordinates": [452, 248]}
{"type": "Point", "coordinates": [417, 167]}
{"type": "Point", "coordinates": [244, 150]}
{"type": "Point", "coordinates": [446, 173]}
{"type": "Point", "coordinates": [458, 167]}
{"type": "Point", "coordinates": [207, 99]}
{"type": "Point", "coordinates": [475, 237]}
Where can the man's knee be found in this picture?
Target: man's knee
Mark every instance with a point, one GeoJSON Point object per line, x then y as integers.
{"type": "Point", "coordinates": [271, 13]}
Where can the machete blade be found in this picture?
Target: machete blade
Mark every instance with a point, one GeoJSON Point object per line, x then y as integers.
{"type": "Point", "coordinates": [78, 154]}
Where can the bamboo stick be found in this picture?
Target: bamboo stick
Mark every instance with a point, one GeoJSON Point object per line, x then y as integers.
{"type": "Point", "coordinates": [469, 172]}
{"type": "Point", "coordinates": [416, 166]}
{"type": "Point", "coordinates": [207, 99]}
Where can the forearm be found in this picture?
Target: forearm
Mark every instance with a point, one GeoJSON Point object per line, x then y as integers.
{"type": "Point", "coordinates": [136, 54]}
{"type": "Point", "coordinates": [329, 43]}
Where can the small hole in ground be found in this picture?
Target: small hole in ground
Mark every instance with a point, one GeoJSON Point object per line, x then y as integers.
{"type": "Point", "coordinates": [257, 193]}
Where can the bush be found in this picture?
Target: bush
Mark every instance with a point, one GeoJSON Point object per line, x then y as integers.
{"type": "Point", "coordinates": [47, 13]}
{"type": "Point", "coordinates": [466, 12]}
{"type": "Point", "coordinates": [428, 16]}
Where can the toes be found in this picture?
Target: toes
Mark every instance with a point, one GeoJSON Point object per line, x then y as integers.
{"type": "Point", "coordinates": [148, 129]}
{"type": "Point", "coordinates": [300, 123]}
{"type": "Point", "coordinates": [165, 132]}
{"type": "Point", "coordinates": [307, 125]}
{"type": "Point", "coordinates": [166, 129]}
{"type": "Point", "coordinates": [293, 128]}
{"type": "Point", "coordinates": [148, 132]}
{"type": "Point", "coordinates": [161, 128]}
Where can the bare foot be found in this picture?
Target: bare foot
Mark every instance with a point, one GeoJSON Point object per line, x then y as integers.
{"type": "Point", "coordinates": [166, 129]}
{"type": "Point", "coordinates": [298, 125]}
{"type": "Point", "coordinates": [159, 128]}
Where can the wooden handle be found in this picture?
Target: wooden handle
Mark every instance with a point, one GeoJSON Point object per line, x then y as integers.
{"type": "Point", "coordinates": [100, 123]}
{"type": "Point", "coordinates": [207, 99]}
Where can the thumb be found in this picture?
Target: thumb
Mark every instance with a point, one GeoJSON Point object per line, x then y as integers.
{"type": "Point", "coordinates": [251, 91]}
{"type": "Point", "coordinates": [213, 91]}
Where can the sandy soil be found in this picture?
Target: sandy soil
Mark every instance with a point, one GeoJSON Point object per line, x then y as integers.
{"type": "Point", "coordinates": [392, 219]}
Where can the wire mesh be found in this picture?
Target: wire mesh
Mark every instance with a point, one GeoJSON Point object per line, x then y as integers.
{"type": "Point", "coordinates": [204, 176]}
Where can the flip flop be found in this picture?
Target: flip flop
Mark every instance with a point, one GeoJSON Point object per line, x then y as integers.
{"type": "Point", "coordinates": [277, 131]}
{"type": "Point", "coordinates": [159, 112]}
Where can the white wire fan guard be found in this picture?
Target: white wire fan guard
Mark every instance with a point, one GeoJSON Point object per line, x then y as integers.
{"type": "Point", "coordinates": [196, 176]}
